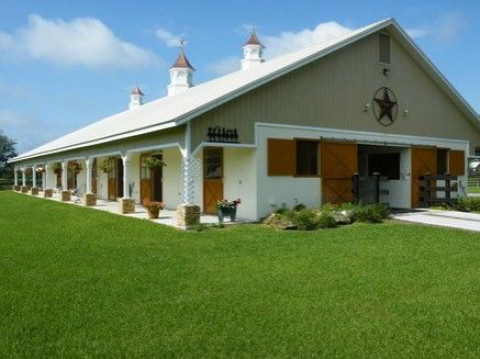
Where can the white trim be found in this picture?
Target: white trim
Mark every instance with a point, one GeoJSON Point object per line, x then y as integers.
{"type": "Point", "coordinates": [370, 138]}
{"type": "Point", "coordinates": [152, 148]}
{"type": "Point", "coordinates": [222, 144]}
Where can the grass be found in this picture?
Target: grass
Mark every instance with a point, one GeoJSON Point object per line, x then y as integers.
{"type": "Point", "coordinates": [75, 282]}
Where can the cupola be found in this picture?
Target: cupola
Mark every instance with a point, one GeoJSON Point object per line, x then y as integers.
{"type": "Point", "coordinates": [180, 74]}
{"type": "Point", "coordinates": [136, 98]}
{"type": "Point", "coordinates": [252, 52]}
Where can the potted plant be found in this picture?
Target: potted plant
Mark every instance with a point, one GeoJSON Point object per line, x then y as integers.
{"type": "Point", "coordinates": [105, 166]}
{"type": "Point", "coordinates": [153, 208]}
{"type": "Point", "coordinates": [226, 207]}
{"type": "Point", "coordinates": [57, 167]}
{"type": "Point", "coordinates": [152, 162]}
{"type": "Point", "coordinates": [74, 167]}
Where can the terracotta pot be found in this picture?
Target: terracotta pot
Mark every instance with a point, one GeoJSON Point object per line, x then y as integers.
{"type": "Point", "coordinates": [153, 213]}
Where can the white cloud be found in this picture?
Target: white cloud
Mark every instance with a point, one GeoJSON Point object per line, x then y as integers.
{"type": "Point", "coordinates": [167, 37]}
{"type": "Point", "coordinates": [81, 41]}
{"type": "Point", "coordinates": [445, 30]}
{"type": "Point", "coordinates": [289, 41]}
{"type": "Point", "coordinates": [282, 43]}
{"type": "Point", "coordinates": [225, 66]}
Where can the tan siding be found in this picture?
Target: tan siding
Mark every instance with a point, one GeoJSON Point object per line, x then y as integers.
{"type": "Point", "coordinates": [332, 92]}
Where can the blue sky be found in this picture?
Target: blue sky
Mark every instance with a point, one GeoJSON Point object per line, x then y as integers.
{"type": "Point", "coordinates": [65, 64]}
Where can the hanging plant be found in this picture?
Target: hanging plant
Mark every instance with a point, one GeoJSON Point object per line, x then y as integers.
{"type": "Point", "coordinates": [57, 167]}
{"type": "Point", "coordinates": [74, 167]}
{"type": "Point", "coordinates": [152, 162]}
{"type": "Point", "coordinates": [40, 169]}
{"type": "Point", "coordinates": [105, 166]}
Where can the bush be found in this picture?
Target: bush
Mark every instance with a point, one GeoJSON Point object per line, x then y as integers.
{"type": "Point", "coordinates": [305, 219]}
{"type": "Point", "coordinates": [299, 207]}
{"type": "Point", "coordinates": [468, 204]}
{"type": "Point", "coordinates": [373, 213]}
{"type": "Point", "coordinates": [325, 219]}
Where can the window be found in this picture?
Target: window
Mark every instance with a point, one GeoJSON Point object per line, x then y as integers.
{"type": "Point", "coordinates": [306, 158]}
{"type": "Point", "coordinates": [477, 151]}
{"type": "Point", "coordinates": [384, 48]}
{"type": "Point", "coordinates": [442, 155]}
{"type": "Point", "coordinates": [387, 164]}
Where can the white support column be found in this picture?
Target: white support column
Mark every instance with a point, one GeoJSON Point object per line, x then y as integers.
{"type": "Point", "coordinates": [64, 175]}
{"type": "Point", "coordinates": [186, 185]}
{"type": "Point", "coordinates": [88, 165]}
{"type": "Point", "coordinates": [15, 176]}
{"type": "Point", "coordinates": [47, 176]}
{"type": "Point", "coordinates": [126, 174]}
{"type": "Point", "coordinates": [44, 179]}
{"type": "Point", "coordinates": [24, 176]}
{"type": "Point", "coordinates": [34, 176]}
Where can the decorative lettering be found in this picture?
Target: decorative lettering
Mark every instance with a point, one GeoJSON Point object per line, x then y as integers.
{"type": "Point", "coordinates": [222, 134]}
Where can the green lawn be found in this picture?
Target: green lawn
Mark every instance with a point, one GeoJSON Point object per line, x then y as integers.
{"type": "Point", "coordinates": [75, 282]}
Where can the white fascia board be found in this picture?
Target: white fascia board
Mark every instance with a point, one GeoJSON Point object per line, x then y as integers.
{"type": "Point", "coordinates": [121, 136]}
{"type": "Point", "coordinates": [435, 73]}
{"type": "Point", "coordinates": [222, 144]}
{"type": "Point", "coordinates": [368, 138]}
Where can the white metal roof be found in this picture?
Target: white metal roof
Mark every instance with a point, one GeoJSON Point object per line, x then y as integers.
{"type": "Point", "coordinates": [174, 110]}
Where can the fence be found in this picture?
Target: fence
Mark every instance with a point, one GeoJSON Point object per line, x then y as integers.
{"type": "Point", "coordinates": [5, 184]}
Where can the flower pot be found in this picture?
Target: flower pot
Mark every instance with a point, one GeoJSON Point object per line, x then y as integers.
{"type": "Point", "coordinates": [225, 211]}
{"type": "Point", "coordinates": [153, 213]}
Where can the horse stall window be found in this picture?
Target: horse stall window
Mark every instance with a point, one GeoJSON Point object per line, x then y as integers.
{"type": "Point", "coordinates": [387, 164]}
{"type": "Point", "coordinates": [442, 161]}
{"type": "Point", "coordinates": [307, 158]}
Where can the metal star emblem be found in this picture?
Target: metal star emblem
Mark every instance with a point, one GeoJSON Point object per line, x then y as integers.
{"type": "Point", "coordinates": [386, 106]}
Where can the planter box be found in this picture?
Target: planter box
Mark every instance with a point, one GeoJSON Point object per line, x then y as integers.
{"type": "Point", "coordinates": [222, 212]}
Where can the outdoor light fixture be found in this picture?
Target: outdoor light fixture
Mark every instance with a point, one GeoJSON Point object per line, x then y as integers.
{"type": "Point", "coordinates": [386, 72]}
{"type": "Point", "coordinates": [366, 107]}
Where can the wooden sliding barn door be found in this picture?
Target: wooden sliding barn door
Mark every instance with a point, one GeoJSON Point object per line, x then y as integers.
{"type": "Point", "coordinates": [339, 163]}
{"type": "Point", "coordinates": [212, 178]}
{"type": "Point", "coordinates": [424, 160]}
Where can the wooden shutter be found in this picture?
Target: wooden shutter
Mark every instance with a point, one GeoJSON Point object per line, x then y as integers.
{"type": "Point", "coordinates": [456, 163]}
{"type": "Point", "coordinates": [281, 157]}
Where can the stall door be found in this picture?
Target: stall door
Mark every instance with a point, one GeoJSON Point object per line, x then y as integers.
{"type": "Point", "coordinates": [212, 178]}
{"type": "Point", "coordinates": [339, 164]}
{"type": "Point", "coordinates": [145, 182]}
{"type": "Point", "coordinates": [424, 161]}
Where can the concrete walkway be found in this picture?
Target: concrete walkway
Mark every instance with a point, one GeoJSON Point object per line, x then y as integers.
{"type": "Point", "coordinates": [166, 217]}
{"type": "Point", "coordinates": [462, 220]}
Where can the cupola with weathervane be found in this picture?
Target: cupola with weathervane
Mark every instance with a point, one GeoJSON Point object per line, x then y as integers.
{"type": "Point", "coordinates": [180, 73]}
{"type": "Point", "coordinates": [252, 52]}
{"type": "Point", "coordinates": [136, 98]}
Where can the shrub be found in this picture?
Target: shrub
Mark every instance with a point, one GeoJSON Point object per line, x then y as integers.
{"type": "Point", "coordinates": [468, 204]}
{"type": "Point", "coordinates": [305, 219]}
{"type": "Point", "coordinates": [281, 211]}
{"type": "Point", "coordinates": [373, 213]}
{"type": "Point", "coordinates": [325, 219]}
{"type": "Point", "coordinates": [299, 207]}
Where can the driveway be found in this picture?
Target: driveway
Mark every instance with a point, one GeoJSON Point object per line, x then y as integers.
{"type": "Point", "coordinates": [462, 220]}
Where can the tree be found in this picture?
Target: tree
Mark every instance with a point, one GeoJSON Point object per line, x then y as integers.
{"type": "Point", "coordinates": [7, 151]}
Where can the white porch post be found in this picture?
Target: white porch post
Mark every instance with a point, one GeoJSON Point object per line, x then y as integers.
{"type": "Point", "coordinates": [24, 176]}
{"type": "Point", "coordinates": [15, 176]}
{"type": "Point", "coordinates": [44, 177]}
{"type": "Point", "coordinates": [34, 176]}
{"type": "Point", "coordinates": [47, 176]}
{"type": "Point", "coordinates": [127, 205]}
{"type": "Point", "coordinates": [64, 175]}
{"type": "Point", "coordinates": [188, 214]}
{"type": "Point", "coordinates": [88, 165]}
{"type": "Point", "coordinates": [126, 174]}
